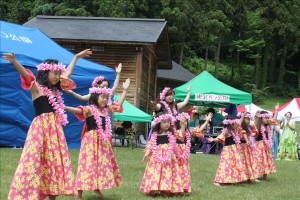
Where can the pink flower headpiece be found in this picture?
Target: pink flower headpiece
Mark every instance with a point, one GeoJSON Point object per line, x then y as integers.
{"type": "Point", "coordinates": [249, 116]}
{"type": "Point", "coordinates": [162, 95]}
{"type": "Point", "coordinates": [96, 90]}
{"type": "Point", "coordinates": [265, 115]}
{"type": "Point", "coordinates": [51, 67]}
{"type": "Point", "coordinates": [96, 80]}
{"type": "Point", "coordinates": [164, 117]}
{"type": "Point", "coordinates": [183, 114]}
{"type": "Point", "coordinates": [231, 121]}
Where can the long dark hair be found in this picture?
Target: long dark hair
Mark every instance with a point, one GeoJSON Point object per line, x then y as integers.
{"type": "Point", "coordinates": [42, 76]}
{"type": "Point", "coordinates": [104, 80]}
{"type": "Point", "coordinates": [260, 123]}
{"type": "Point", "coordinates": [93, 100]}
{"type": "Point", "coordinates": [170, 91]}
{"type": "Point", "coordinates": [245, 126]}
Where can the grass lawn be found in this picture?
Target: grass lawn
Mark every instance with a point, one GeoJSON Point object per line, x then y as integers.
{"type": "Point", "coordinates": [285, 184]}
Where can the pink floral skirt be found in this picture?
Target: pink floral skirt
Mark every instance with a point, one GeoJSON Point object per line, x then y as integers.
{"type": "Point", "coordinates": [45, 165]}
{"type": "Point", "coordinates": [232, 167]}
{"type": "Point", "coordinates": [97, 165]}
{"type": "Point", "coordinates": [263, 156]}
{"type": "Point", "coordinates": [252, 167]}
{"type": "Point", "coordinates": [162, 177]}
{"type": "Point", "coordinates": [184, 169]}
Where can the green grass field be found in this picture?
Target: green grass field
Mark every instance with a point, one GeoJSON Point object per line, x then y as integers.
{"type": "Point", "coordinates": [285, 184]}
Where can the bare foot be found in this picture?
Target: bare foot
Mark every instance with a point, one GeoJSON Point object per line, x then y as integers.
{"type": "Point", "coordinates": [217, 184]}
{"type": "Point", "coordinates": [78, 198]}
{"type": "Point", "coordinates": [99, 194]}
{"type": "Point", "coordinates": [256, 180]}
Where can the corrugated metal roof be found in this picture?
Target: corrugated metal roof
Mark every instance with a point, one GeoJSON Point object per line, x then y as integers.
{"type": "Point", "coordinates": [100, 28]}
{"type": "Point", "coordinates": [107, 29]}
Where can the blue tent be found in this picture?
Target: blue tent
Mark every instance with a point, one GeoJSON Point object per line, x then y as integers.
{"type": "Point", "coordinates": [31, 47]}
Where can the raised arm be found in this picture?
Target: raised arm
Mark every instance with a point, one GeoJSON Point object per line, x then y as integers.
{"type": "Point", "coordinates": [116, 83]}
{"type": "Point", "coordinates": [84, 53]}
{"type": "Point", "coordinates": [125, 88]}
{"type": "Point", "coordinates": [208, 117]}
{"type": "Point", "coordinates": [276, 112]}
{"type": "Point", "coordinates": [78, 96]}
{"type": "Point", "coordinates": [186, 100]}
{"type": "Point", "coordinates": [10, 57]}
{"type": "Point", "coordinates": [73, 110]}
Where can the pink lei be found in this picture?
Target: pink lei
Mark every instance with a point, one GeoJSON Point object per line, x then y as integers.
{"type": "Point", "coordinates": [169, 109]}
{"type": "Point", "coordinates": [186, 154]}
{"type": "Point", "coordinates": [263, 132]}
{"type": "Point", "coordinates": [168, 156]}
{"type": "Point", "coordinates": [103, 134]}
{"type": "Point", "coordinates": [56, 100]}
{"type": "Point", "coordinates": [251, 139]}
{"type": "Point", "coordinates": [235, 135]}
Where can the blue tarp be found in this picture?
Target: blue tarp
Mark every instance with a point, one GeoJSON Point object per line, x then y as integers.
{"type": "Point", "coordinates": [31, 47]}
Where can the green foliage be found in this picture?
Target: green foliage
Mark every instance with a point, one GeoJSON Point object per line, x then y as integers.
{"type": "Point", "coordinates": [251, 33]}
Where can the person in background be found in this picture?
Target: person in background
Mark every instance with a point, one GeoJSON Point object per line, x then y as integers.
{"type": "Point", "coordinates": [287, 149]}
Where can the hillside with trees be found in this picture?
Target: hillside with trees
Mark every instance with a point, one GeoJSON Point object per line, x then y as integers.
{"type": "Point", "coordinates": [251, 45]}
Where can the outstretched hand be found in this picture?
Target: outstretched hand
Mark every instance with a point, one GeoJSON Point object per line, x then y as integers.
{"type": "Point", "coordinates": [84, 53]}
{"type": "Point", "coordinates": [119, 68]}
{"type": "Point", "coordinates": [153, 104]}
{"type": "Point", "coordinates": [126, 84]}
{"type": "Point", "coordinates": [10, 57]}
{"type": "Point", "coordinates": [277, 106]}
{"type": "Point", "coordinates": [209, 116]}
{"type": "Point", "coordinates": [188, 89]}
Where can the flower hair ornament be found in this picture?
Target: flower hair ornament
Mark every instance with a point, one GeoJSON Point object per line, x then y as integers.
{"type": "Point", "coordinates": [51, 67]}
{"type": "Point", "coordinates": [162, 95]}
{"type": "Point", "coordinates": [183, 114]}
{"type": "Point", "coordinates": [95, 90]}
{"type": "Point", "coordinates": [97, 80]}
{"type": "Point", "coordinates": [249, 116]}
{"type": "Point", "coordinates": [164, 117]}
{"type": "Point", "coordinates": [231, 121]}
{"type": "Point", "coordinates": [265, 115]}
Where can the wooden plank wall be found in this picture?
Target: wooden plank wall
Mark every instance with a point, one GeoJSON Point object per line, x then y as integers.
{"type": "Point", "coordinates": [137, 62]}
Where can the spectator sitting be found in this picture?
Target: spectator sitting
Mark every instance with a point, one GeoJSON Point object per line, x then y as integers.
{"type": "Point", "coordinates": [122, 130]}
{"type": "Point", "coordinates": [195, 121]}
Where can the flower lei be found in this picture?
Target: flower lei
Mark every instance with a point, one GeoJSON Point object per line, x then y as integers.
{"type": "Point", "coordinates": [235, 135]}
{"type": "Point", "coordinates": [162, 95]}
{"type": "Point", "coordinates": [186, 154]}
{"type": "Point", "coordinates": [251, 139]}
{"type": "Point", "coordinates": [56, 102]}
{"type": "Point", "coordinates": [103, 134]}
{"type": "Point", "coordinates": [96, 80]}
{"type": "Point", "coordinates": [168, 156]}
{"type": "Point", "coordinates": [263, 132]}
{"type": "Point", "coordinates": [173, 111]}
{"type": "Point", "coordinates": [51, 67]}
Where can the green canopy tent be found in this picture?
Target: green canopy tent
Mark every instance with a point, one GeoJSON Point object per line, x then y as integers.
{"type": "Point", "coordinates": [131, 113]}
{"type": "Point", "coordinates": [206, 90]}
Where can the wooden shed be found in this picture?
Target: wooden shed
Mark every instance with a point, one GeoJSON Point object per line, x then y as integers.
{"type": "Point", "coordinates": [141, 45]}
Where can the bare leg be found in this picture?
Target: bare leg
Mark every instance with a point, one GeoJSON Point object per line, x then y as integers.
{"type": "Point", "coordinates": [265, 177]}
{"type": "Point", "coordinates": [79, 197]}
{"type": "Point", "coordinates": [52, 197]}
{"type": "Point", "coordinates": [99, 194]}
